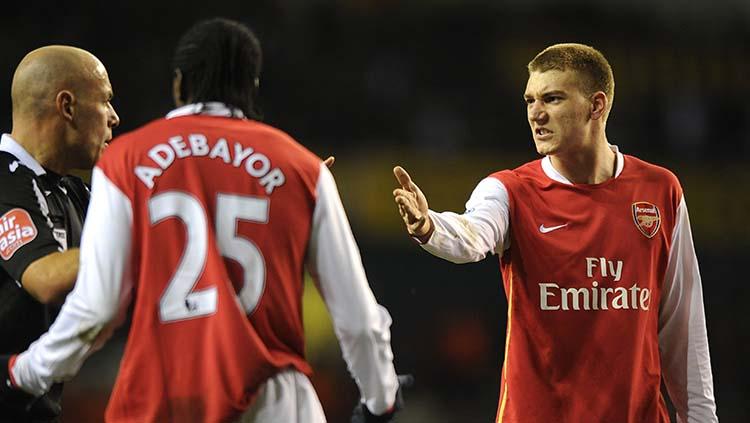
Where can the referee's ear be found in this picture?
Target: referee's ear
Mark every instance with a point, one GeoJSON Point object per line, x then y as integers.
{"type": "Point", "coordinates": [65, 104]}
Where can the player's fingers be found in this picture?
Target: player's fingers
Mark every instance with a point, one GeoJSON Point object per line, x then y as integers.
{"type": "Point", "coordinates": [411, 211]}
{"type": "Point", "coordinates": [405, 193]}
{"type": "Point", "coordinates": [408, 218]}
{"type": "Point", "coordinates": [402, 200]}
{"type": "Point", "coordinates": [403, 178]}
{"type": "Point", "coordinates": [329, 161]}
{"type": "Point", "coordinates": [401, 211]}
{"type": "Point", "coordinates": [405, 196]}
{"type": "Point", "coordinates": [407, 211]}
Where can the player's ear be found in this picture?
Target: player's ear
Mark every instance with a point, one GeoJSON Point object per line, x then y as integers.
{"type": "Point", "coordinates": [177, 88]}
{"type": "Point", "coordinates": [65, 103]}
{"type": "Point", "coordinates": [599, 105]}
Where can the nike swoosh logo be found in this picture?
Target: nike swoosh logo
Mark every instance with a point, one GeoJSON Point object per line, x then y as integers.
{"type": "Point", "coordinates": [543, 229]}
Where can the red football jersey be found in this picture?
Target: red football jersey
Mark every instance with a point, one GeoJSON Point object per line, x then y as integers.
{"type": "Point", "coordinates": [222, 213]}
{"type": "Point", "coordinates": [583, 278]}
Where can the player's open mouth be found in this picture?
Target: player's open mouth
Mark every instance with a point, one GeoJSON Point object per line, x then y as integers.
{"type": "Point", "coordinates": [542, 133]}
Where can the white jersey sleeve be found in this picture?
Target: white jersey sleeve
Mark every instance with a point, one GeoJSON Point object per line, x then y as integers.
{"type": "Point", "coordinates": [98, 301]}
{"type": "Point", "coordinates": [683, 342]}
{"type": "Point", "coordinates": [361, 324]}
{"type": "Point", "coordinates": [482, 229]}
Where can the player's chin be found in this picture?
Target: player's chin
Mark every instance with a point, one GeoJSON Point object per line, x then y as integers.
{"type": "Point", "coordinates": [544, 148]}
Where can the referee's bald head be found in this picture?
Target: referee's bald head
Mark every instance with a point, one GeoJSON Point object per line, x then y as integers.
{"type": "Point", "coordinates": [45, 72]}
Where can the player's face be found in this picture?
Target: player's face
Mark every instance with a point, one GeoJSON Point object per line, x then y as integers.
{"type": "Point", "coordinates": [558, 111]}
{"type": "Point", "coordinates": [95, 119]}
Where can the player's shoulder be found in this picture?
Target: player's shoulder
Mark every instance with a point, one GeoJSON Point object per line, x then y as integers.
{"type": "Point", "coordinates": [123, 152]}
{"type": "Point", "coordinates": [526, 171]}
{"type": "Point", "coordinates": [281, 140]}
{"type": "Point", "coordinates": [136, 138]}
{"type": "Point", "coordinates": [132, 140]}
{"type": "Point", "coordinates": [647, 171]}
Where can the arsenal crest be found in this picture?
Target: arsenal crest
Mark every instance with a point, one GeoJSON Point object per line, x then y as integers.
{"type": "Point", "coordinates": [647, 218]}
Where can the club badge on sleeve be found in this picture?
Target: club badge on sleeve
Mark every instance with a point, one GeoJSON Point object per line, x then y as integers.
{"type": "Point", "coordinates": [647, 218]}
{"type": "Point", "coordinates": [16, 230]}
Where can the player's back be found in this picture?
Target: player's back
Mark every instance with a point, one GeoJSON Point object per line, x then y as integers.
{"type": "Point", "coordinates": [222, 211]}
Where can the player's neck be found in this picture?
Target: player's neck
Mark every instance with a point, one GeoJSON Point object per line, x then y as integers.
{"type": "Point", "coordinates": [41, 142]}
{"type": "Point", "coordinates": [587, 166]}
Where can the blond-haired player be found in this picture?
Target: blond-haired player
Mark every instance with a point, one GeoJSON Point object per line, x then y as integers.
{"type": "Point", "coordinates": [604, 293]}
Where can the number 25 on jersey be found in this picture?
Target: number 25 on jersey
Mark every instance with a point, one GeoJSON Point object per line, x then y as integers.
{"type": "Point", "coordinates": [180, 301]}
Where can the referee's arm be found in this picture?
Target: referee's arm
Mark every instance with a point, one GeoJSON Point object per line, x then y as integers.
{"type": "Point", "coordinates": [29, 251]}
{"type": "Point", "coordinates": [50, 278]}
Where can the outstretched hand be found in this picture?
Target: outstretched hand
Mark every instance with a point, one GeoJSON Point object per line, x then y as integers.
{"type": "Point", "coordinates": [412, 205]}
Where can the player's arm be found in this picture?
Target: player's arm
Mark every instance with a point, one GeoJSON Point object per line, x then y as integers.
{"type": "Point", "coordinates": [51, 277]}
{"type": "Point", "coordinates": [97, 303]}
{"type": "Point", "coordinates": [683, 342]}
{"type": "Point", "coordinates": [361, 324]}
{"type": "Point", "coordinates": [459, 238]}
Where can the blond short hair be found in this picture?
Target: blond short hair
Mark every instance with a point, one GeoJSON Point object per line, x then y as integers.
{"type": "Point", "coordinates": [586, 61]}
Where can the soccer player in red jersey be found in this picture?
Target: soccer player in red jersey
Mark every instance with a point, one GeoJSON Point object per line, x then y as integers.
{"type": "Point", "coordinates": [205, 221]}
{"type": "Point", "coordinates": [604, 293]}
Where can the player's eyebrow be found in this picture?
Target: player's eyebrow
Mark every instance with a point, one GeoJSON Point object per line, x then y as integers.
{"type": "Point", "coordinates": [546, 94]}
{"type": "Point", "coordinates": [554, 92]}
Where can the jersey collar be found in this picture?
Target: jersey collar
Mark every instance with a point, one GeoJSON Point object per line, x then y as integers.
{"type": "Point", "coordinates": [211, 108]}
{"type": "Point", "coordinates": [9, 145]}
{"type": "Point", "coordinates": [553, 174]}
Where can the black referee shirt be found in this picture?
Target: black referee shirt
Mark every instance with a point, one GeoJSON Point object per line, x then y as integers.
{"type": "Point", "coordinates": [39, 215]}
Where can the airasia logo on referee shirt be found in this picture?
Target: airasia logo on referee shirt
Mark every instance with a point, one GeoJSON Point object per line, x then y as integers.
{"type": "Point", "coordinates": [16, 230]}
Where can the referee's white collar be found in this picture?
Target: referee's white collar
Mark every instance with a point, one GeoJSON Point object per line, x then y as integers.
{"type": "Point", "coordinates": [211, 108]}
{"type": "Point", "coordinates": [553, 174]}
{"type": "Point", "coordinates": [8, 144]}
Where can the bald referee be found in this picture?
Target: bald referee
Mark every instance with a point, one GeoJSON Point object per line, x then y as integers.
{"type": "Point", "coordinates": [62, 118]}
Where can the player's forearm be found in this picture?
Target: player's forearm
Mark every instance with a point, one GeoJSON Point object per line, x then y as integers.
{"type": "Point", "coordinates": [362, 326]}
{"type": "Point", "coordinates": [59, 353]}
{"type": "Point", "coordinates": [50, 278]}
{"type": "Point", "coordinates": [459, 238]}
{"type": "Point", "coordinates": [369, 358]}
{"type": "Point", "coordinates": [363, 329]}
{"type": "Point", "coordinates": [482, 229]}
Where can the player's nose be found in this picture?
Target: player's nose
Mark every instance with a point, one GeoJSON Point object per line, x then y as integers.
{"type": "Point", "coordinates": [537, 115]}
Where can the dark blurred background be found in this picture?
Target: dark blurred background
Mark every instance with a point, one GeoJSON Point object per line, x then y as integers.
{"type": "Point", "coordinates": [436, 86]}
